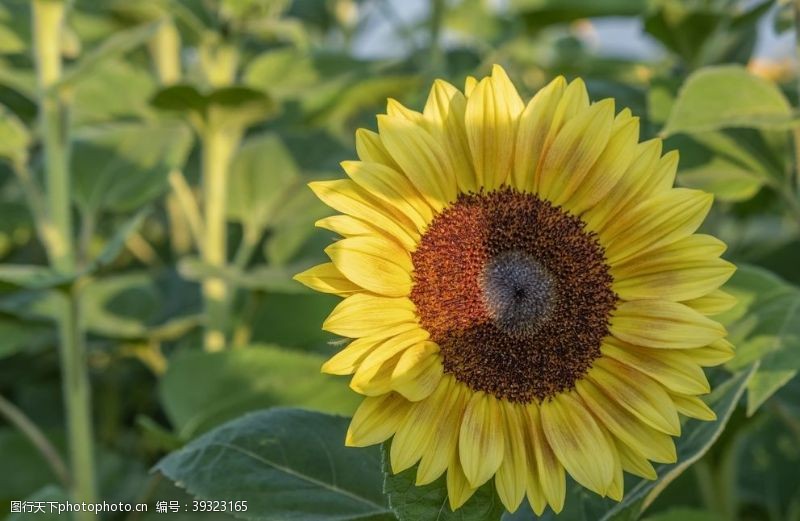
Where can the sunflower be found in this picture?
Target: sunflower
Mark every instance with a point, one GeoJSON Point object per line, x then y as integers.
{"type": "Point", "coordinates": [524, 289]}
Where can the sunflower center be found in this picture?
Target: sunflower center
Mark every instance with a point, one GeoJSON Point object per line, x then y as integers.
{"type": "Point", "coordinates": [516, 293]}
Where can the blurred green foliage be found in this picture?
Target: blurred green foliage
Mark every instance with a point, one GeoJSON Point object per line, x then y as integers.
{"type": "Point", "coordinates": [191, 128]}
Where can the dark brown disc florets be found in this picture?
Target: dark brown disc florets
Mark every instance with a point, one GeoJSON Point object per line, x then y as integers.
{"type": "Point", "coordinates": [516, 293]}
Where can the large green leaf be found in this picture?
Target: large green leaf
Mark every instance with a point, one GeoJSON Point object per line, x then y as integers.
{"type": "Point", "coordinates": [695, 440]}
{"type": "Point", "coordinates": [116, 45]}
{"type": "Point", "coordinates": [765, 327]}
{"type": "Point", "coordinates": [732, 164]}
{"type": "Point", "coordinates": [541, 13]}
{"type": "Point", "coordinates": [727, 96]}
{"type": "Point", "coordinates": [287, 464]}
{"type": "Point", "coordinates": [122, 166]}
{"type": "Point", "coordinates": [285, 73]}
{"type": "Point", "coordinates": [246, 379]}
{"type": "Point", "coordinates": [261, 174]}
{"type": "Point", "coordinates": [412, 503]}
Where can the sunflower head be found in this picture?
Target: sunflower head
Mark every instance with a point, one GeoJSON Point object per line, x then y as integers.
{"type": "Point", "coordinates": [524, 290]}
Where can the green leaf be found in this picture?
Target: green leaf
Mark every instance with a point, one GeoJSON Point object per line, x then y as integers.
{"type": "Point", "coordinates": [23, 336]}
{"type": "Point", "coordinates": [116, 45]}
{"type": "Point", "coordinates": [727, 96]}
{"type": "Point", "coordinates": [695, 440]}
{"type": "Point", "coordinates": [234, 107]}
{"type": "Point", "coordinates": [115, 89]}
{"type": "Point", "coordinates": [30, 276]}
{"type": "Point", "coordinates": [684, 514]}
{"type": "Point", "coordinates": [284, 73]}
{"type": "Point", "coordinates": [261, 173]}
{"type": "Point", "coordinates": [765, 327]}
{"type": "Point", "coordinates": [541, 13]}
{"type": "Point", "coordinates": [114, 246]}
{"type": "Point", "coordinates": [246, 379]}
{"type": "Point", "coordinates": [411, 503]}
{"type": "Point", "coordinates": [273, 279]}
{"type": "Point", "coordinates": [732, 164]}
{"type": "Point", "coordinates": [14, 137]}
{"type": "Point", "coordinates": [123, 166]}
{"type": "Point", "coordinates": [121, 306]}
{"type": "Point", "coordinates": [287, 464]}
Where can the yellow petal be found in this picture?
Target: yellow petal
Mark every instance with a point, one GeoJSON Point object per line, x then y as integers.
{"type": "Point", "coordinates": [609, 167]}
{"type": "Point", "coordinates": [363, 315]}
{"type": "Point", "coordinates": [393, 346]}
{"type": "Point", "coordinates": [493, 109]}
{"type": "Point", "coordinates": [578, 442]}
{"type": "Point", "coordinates": [420, 428]}
{"type": "Point", "coordinates": [444, 114]}
{"type": "Point", "coordinates": [350, 358]}
{"type": "Point", "coordinates": [376, 264]}
{"type": "Point", "coordinates": [693, 407]}
{"type": "Point", "coordinates": [370, 149]}
{"type": "Point", "coordinates": [617, 487]}
{"type": "Point", "coordinates": [546, 473]}
{"type": "Point", "coordinates": [418, 372]}
{"type": "Point", "coordinates": [637, 393]}
{"type": "Point", "coordinates": [480, 441]}
{"type": "Point", "coordinates": [512, 476]}
{"type": "Point", "coordinates": [327, 279]}
{"type": "Point", "coordinates": [634, 462]}
{"type": "Point", "coordinates": [376, 420]}
{"type": "Point", "coordinates": [626, 193]}
{"type": "Point", "coordinates": [397, 110]}
{"type": "Point", "coordinates": [347, 197]}
{"type": "Point", "coordinates": [716, 353]}
{"type": "Point", "coordinates": [671, 368]}
{"type": "Point", "coordinates": [534, 125]}
{"type": "Point", "coordinates": [536, 498]}
{"type": "Point", "coordinates": [374, 380]}
{"type": "Point", "coordinates": [393, 188]}
{"type": "Point", "coordinates": [714, 303]}
{"type": "Point", "coordinates": [574, 151]}
{"type": "Point", "coordinates": [470, 82]}
{"type": "Point", "coordinates": [458, 488]}
{"type": "Point", "coordinates": [683, 270]}
{"type": "Point", "coordinates": [347, 226]}
{"type": "Point", "coordinates": [628, 429]}
{"type": "Point", "coordinates": [421, 158]}
{"type": "Point", "coordinates": [663, 324]}
{"type": "Point", "coordinates": [442, 448]}
{"type": "Point", "coordinates": [658, 221]}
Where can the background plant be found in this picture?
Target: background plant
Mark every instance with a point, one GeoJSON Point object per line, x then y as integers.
{"type": "Point", "coordinates": [154, 157]}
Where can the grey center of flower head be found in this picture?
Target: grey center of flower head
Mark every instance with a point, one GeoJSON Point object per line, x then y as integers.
{"type": "Point", "coordinates": [518, 292]}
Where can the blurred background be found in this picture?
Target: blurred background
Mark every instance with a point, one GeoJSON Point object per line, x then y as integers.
{"type": "Point", "coordinates": [153, 163]}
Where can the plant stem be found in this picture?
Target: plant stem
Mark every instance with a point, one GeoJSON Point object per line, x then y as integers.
{"type": "Point", "coordinates": [77, 397]}
{"type": "Point", "coordinates": [218, 147]}
{"type": "Point", "coordinates": [796, 130]}
{"type": "Point", "coordinates": [165, 49]}
{"type": "Point", "coordinates": [18, 419]}
{"type": "Point", "coordinates": [435, 54]}
{"type": "Point", "coordinates": [48, 21]}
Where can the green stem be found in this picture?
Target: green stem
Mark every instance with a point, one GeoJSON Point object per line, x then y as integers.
{"type": "Point", "coordinates": [165, 49]}
{"type": "Point", "coordinates": [796, 131]}
{"type": "Point", "coordinates": [18, 419]}
{"type": "Point", "coordinates": [705, 481]}
{"type": "Point", "coordinates": [48, 21]}
{"type": "Point", "coordinates": [436, 56]}
{"type": "Point", "coordinates": [77, 397]}
{"type": "Point", "coordinates": [218, 147]}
